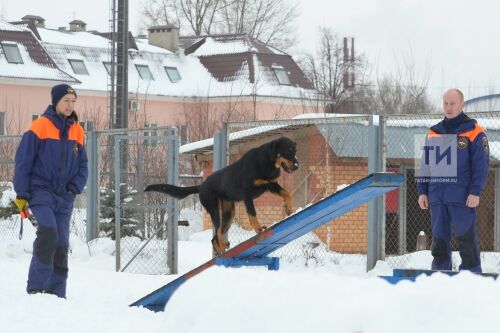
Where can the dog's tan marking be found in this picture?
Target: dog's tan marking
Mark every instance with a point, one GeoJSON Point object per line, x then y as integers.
{"type": "Point", "coordinates": [260, 182]}
{"type": "Point", "coordinates": [255, 224]}
{"type": "Point", "coordinates": [288, 202]}
{"type": "Point", "coordinates": [287, 199]}
{"type": "Point", "coordinates": [280, 160]}
{"type": "Point", "coordinates": [220, 245]}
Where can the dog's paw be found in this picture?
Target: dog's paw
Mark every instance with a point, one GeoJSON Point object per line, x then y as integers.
{"type": "Point", "coordinates": [262, 229]}
{"type": "Point", "coordinates": [288, 210]}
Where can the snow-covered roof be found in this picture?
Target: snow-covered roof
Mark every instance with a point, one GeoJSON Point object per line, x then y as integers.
{"type": "Point", "coordinates": [143, 45]}
{"type": "Point", "coordinates": [254, 131]}
{"type": "Point", "coordinates": [225, 44]}
{"type": "Point", "coordinates": [5, 26]}
{"type": "Point", "coordinates": [250, 74]}
{"type": "Point", "coordinates": [73, 38]}
{"type": "Point", "coordinates": [483, 103]}
{"type": "Point", "coordinates": [35, 64]}
{"type": "Point", "coordinates": [400, 134]}
{"type": "Point", "coordinates": [196, 79]}
{"type": "Point", "coordinates": [31, 69]}
{"type": "Point", "coordinates": [214, 47]}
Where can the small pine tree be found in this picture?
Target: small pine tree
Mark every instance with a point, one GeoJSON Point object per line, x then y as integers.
{"type": "Point", "coordinates": [130, 224]}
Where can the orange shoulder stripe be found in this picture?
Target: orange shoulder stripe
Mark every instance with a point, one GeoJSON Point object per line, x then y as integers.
{"type": "Point", "coordinates": [432, 134]}
{"type": "Point", "coordinates": [44, 129]}
{"type": "Point", "coordinates": [76, 133]}
{"type": "Point", "coordinates": [472, 135]}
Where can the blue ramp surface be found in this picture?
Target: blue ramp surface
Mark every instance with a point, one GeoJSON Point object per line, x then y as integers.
{"type": "Point", "coordinates": [287, 230]}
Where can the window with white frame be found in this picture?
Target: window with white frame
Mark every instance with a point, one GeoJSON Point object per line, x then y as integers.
{"type": "Point", "coordinates": [144, 72]}
{"type": "Point", "coordinates": [107, 65]}
{"type": "Point", "coordinates": [173, 74]}
{"type": "Point", "coordinates": [12, 54]}
{"type": "Point", "coordinates": [281, 75]}
{"type": "Point", "coordinates": [78, 66]}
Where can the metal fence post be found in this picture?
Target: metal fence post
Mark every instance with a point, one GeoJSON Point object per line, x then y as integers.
{"type": "Point", "coordinates": [92, 183]}
{"type": "Point", "coordinates": [220, 149]}
{"type": "Point", "coordinates": [172, 203]}
{"type": "Point", "coordinates": [376, 214]}
{"type": "Point", "coordinates": [117, 203]}
{"type": "Point", "coordinates": [402, 213]}
{"type": "Point", "coordinates": [220, 159]}
{"type": "Point", "coordinates": [496, 212]}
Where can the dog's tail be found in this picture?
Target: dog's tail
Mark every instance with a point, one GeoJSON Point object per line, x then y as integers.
{"type": "Point", "coordinates": [174, 191]}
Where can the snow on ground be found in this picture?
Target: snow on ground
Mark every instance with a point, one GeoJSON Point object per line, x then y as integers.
{"type": "Point", "coordinates": [336, 297]}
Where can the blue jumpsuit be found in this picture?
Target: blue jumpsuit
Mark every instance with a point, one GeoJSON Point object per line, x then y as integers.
{"type": "Point", "coordinates": [51, 168]}
{"type": "Point", "coordinates": [447, 200]}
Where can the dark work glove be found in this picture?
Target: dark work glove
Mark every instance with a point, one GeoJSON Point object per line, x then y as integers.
{"type": "Point", "coordinates": [71, 189]}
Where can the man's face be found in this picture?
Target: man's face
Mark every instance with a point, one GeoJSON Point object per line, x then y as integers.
{"type": "Point", "coordinates": [66, 105]}
{"type": "Point", "coordinates": [452, 104]}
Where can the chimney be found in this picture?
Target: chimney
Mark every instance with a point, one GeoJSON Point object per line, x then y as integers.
{"type": "Point", "coordinates": [38, 21]}
{"type": "Point", "coordinates": [77, 25]}
{"type": "Point", "coordinates": [353, 58]}
{"type": "Point", "coordinates": [165, 36]}
{"type": "Point", "coordinates": [345, 76]}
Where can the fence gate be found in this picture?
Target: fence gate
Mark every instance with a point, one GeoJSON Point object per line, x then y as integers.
{"type": "Point", "coordinates": [146, 236]}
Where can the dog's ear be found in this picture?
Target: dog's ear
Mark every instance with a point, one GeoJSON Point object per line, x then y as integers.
{"type": "Point", "coordinates": [273, 150]}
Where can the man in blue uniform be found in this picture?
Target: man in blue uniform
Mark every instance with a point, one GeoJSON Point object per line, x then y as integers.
{"type": "Point", "coordinates": [51, 169]}
{"type": "Point", "coordinates": [453, 203]}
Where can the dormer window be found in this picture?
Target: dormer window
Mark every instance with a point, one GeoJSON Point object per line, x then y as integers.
{"type": "Point", "coordinates": [78, 66]}
{"type": "Point", "coordinates": [281, 75]}
{"type": "Point", "coordinates": [107, 65]}
{"type": "Point", "coordinates": [144, 72]}
{"type": "Point", "coordinates": [12, 54]}
{"type": "Point", "coordinates": [173, 74]}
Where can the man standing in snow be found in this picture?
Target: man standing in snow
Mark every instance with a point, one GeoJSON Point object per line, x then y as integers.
{"type": "Point", "coordinates": [453, 201]}
{"type": "Point", "coordinates": [51, 169]}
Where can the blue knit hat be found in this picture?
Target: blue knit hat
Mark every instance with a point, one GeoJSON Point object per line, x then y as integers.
{"type": "Point", "coordinates": [59, 92]}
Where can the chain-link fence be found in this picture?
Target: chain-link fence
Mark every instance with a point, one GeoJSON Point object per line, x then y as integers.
{"type": "Point", "coordinates": [332, 152]}
{"type": "Point", "coordinates": [405, 221]}
{"type": "Point", "coordinates": [142, 237]}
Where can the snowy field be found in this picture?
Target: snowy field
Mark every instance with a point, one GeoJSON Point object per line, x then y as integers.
{"type": "Point", "coordinates": [337, 297]}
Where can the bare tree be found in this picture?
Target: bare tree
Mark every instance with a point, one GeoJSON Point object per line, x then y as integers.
{"type": "Point", "coordinates": [271, 21]}
{"type": "Point", "coordinates": [198, 15]}
{"type": "Point", "coordinates": [402, 92]}
{"type": "Point", "coordinates": [332, 72]}
{"type": "Point", "coordinates": [158, 12]}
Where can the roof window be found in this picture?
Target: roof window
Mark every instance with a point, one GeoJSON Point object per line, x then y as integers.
{"type": "Point", "coordinates": [144, 72]}
{"type": "Point", "coordinates": [173, 74]}
{"type": "Point", "coordinates": [281, 75]}
{"type": "Point", "coordinates": [78, 66]}
{"type": "Point", "coordinates": [12, 54]}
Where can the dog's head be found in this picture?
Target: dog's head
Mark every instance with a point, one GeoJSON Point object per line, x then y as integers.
{"type": "Point", "coordinates": [283, 151]}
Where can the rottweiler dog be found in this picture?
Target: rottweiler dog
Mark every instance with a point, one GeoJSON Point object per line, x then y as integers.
{"type": "Point", "coordinates": [253, 174]}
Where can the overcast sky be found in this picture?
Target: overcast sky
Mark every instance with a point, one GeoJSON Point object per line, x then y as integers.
{"type": "Point", "coordinates": [452, 42]}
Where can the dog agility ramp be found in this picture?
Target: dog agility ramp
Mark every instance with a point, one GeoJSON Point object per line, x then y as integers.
{"type": "Point", "coordinates": [254, 251]}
